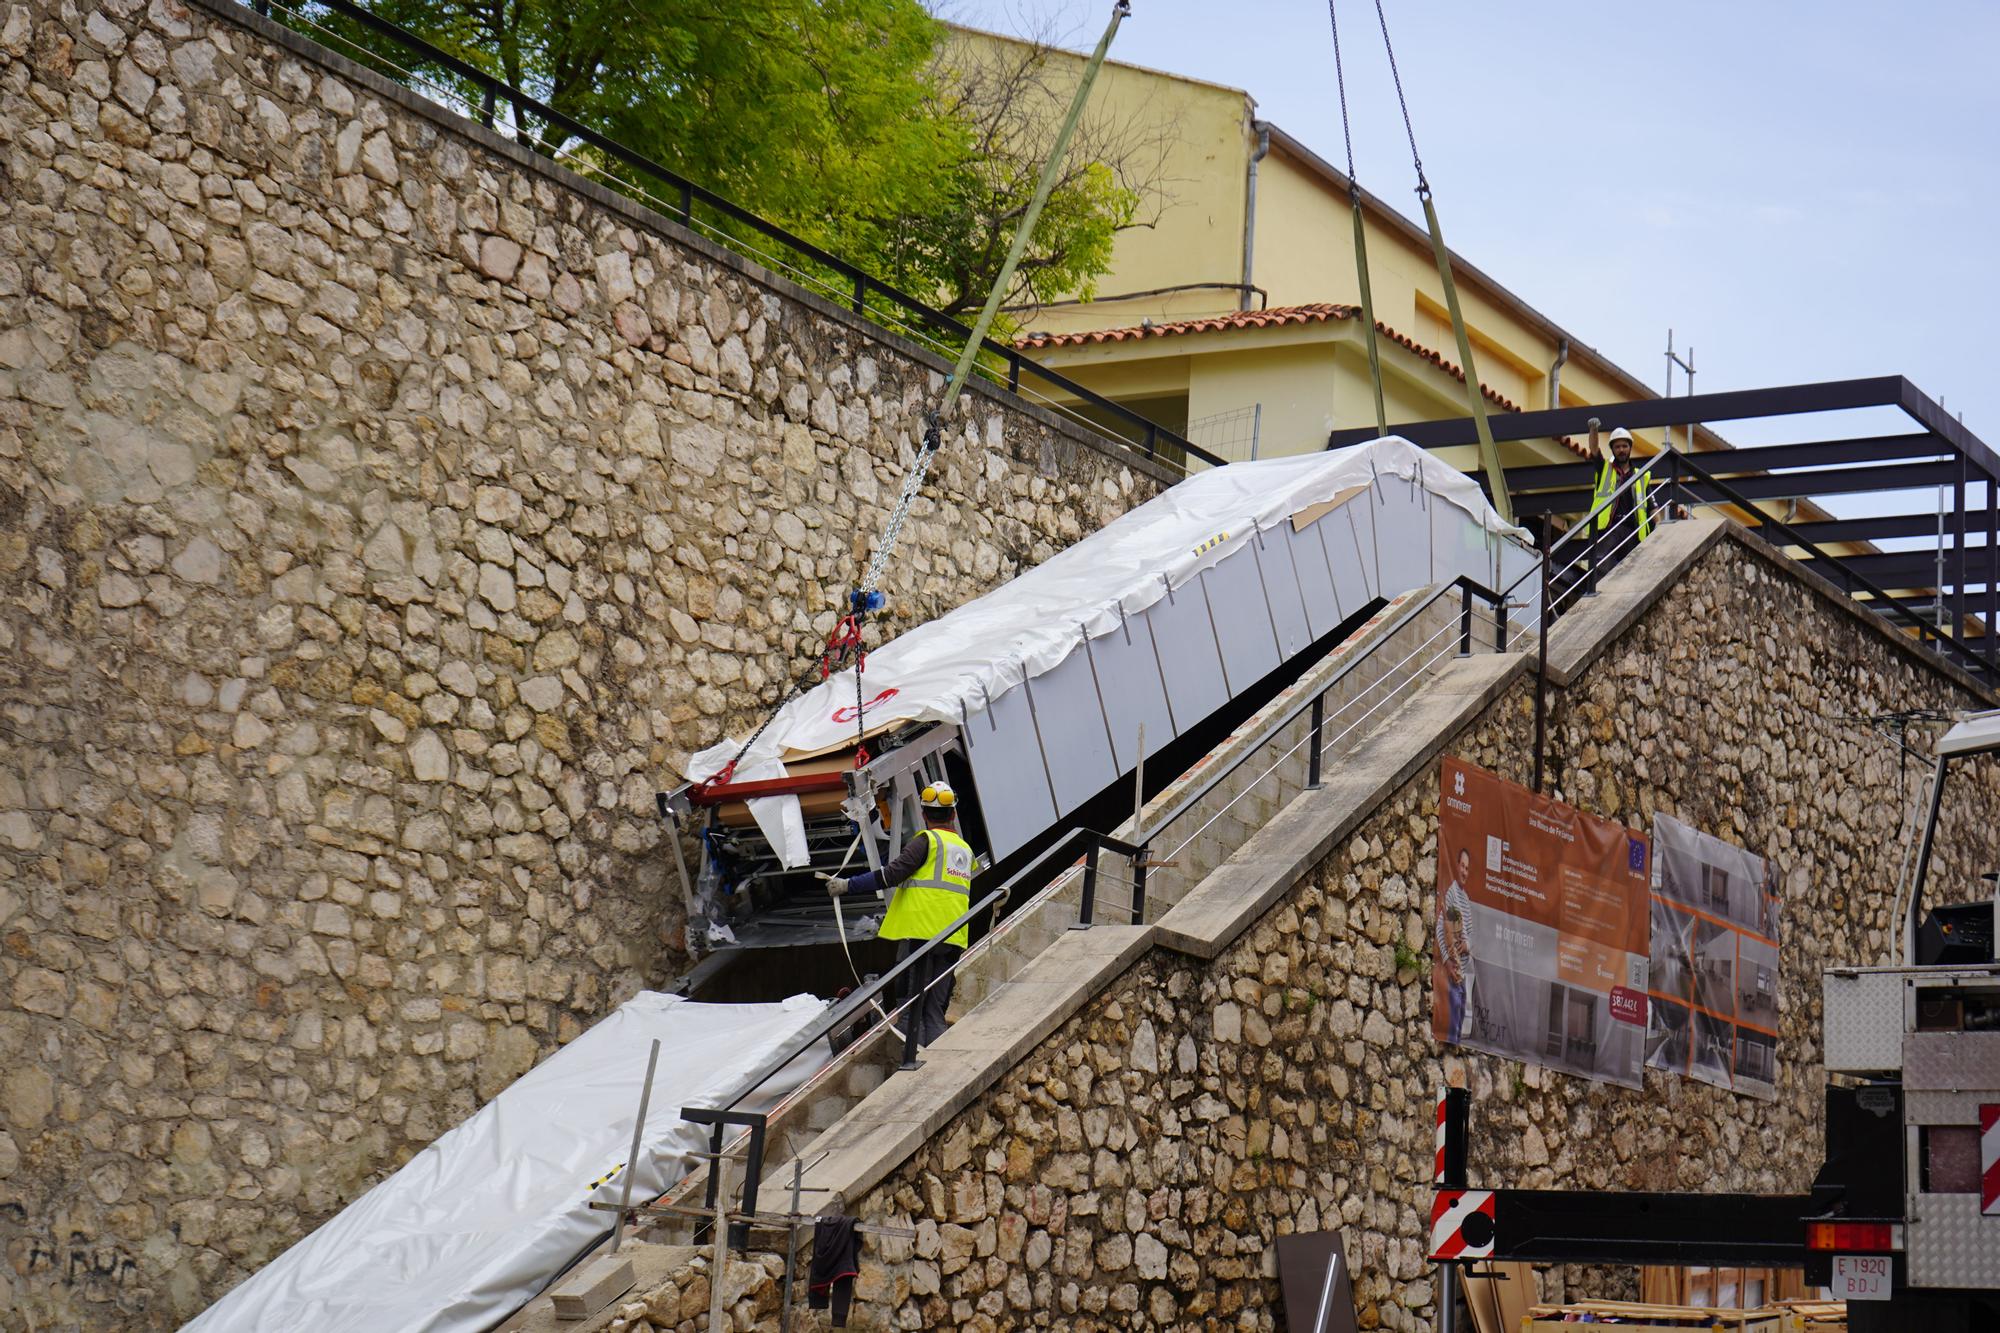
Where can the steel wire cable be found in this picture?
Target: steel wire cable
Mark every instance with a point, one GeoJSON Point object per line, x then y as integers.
{"type": "Point", "coordinates": [1340, 82]}
{"type": "Point", "coordinates": [1423, 185]}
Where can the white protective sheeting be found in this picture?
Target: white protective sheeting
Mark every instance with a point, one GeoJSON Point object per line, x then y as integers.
{"type": "Point", "coordinates": [477, 1223]}
{"type": "Point", "coordinates": [968, 657]}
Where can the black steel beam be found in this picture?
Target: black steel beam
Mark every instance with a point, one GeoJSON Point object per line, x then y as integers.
{"type": "Point", "coordinates": [1647, 413]}
{"type": "Point", "coordinates": [1777, 486]}
{"type": "Point", "coordinates": [1919, 407]}
{"type": "Point", "coordinates": [1616, 1227]}
{"type": "Point", "coordinates": [1767, 458]}
{"type": "Point", "coordinates": [1892, 570]}
{"type": "Point", "coordinates": [1881, 527]}
{"type": "Point", "coordinates": [1922, 603]}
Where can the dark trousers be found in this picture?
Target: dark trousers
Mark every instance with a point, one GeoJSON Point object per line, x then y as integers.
{"type": "Point", "coordinates": [931, 975]}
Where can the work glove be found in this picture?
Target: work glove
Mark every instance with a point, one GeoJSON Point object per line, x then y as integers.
{"type": "Point", "coordinates": [836, 887]}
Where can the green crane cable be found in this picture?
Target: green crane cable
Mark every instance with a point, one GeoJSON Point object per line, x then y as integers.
{"type": "Point", "coordinates": [1360, 233]}
{"type": "Point", "coordinates": [1023, 232]}
{"type": "Point", "coordinates": [1489, 453]}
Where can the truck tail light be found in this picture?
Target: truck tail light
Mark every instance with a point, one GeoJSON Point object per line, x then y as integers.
{"type": "Point", "coordinates": [1864, 1237]}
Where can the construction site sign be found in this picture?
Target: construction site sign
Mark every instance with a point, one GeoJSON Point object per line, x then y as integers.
{"type": "Point", "coordinates": [1539, 946]}
{"type": "Point", "coordinates": [1714, 962]}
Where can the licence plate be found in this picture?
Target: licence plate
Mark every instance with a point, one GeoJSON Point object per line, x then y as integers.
{"type": "Point", "coordinates": [1861, 1277]}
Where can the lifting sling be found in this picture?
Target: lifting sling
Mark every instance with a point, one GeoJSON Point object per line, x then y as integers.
{"type": "Point", "coordinates": [1489, 453]}
{"type": "Point", "coordinates": [1360, 234]}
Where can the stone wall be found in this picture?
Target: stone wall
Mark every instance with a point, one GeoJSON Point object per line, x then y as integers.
{"type": "Point", "coordinates": [383, 517]}
{"type": "Point", "coordinates": [1133, 1170]}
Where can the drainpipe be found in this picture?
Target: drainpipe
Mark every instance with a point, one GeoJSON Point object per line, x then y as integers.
{"type": "Point", "coordinates": [1263, 129]}
{"type": "Point", "coordinates": [1556, 373]}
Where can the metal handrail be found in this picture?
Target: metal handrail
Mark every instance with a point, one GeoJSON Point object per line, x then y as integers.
{"type": "Point", "coordinates": [837, 1016]}
{"type": "Point", "coordinates": [1151, 435]}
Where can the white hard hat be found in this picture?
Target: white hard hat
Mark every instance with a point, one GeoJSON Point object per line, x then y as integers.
{"type": "Point", "coordinates": [938, 796]}
{"type": "Point", "coordinates": [1620, 434]}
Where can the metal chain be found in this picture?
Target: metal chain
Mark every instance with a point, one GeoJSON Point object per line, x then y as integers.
{"type": "Point", "coordinates": [1423, 186]}
{"type": "Point", "coordinates": [1340, 81]}
{"type": "Point", "coordinates": [913, 481]}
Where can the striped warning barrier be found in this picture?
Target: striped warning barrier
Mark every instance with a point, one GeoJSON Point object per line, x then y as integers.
{"type": "Point", "coordinates": [1443, 1093]}
{"type": "Point", "coordinates": [1462, 1224]}
{"type": "Point", "coordinates": [1989, 1160]}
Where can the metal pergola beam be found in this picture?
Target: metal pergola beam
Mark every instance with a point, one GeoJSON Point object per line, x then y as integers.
{"type": "Point", "coordinates": [1922, 603]}
{"type": "Point", "coordinates": [1880, 527]}
{"type": "Point", "coordinates": [1648, 413]}
{"type": "Point", "coordinates": [1778, 486]}
{"type": "Point", "coordinates": [1894, 570]}
{"type": "Point", "coordinates": [1703, 409]}
{"type": "Point", "coordinates": [1767, 458]}
{"type": "Point", "coordinates": [1941, 457]}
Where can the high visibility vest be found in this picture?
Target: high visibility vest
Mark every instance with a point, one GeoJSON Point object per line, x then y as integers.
{"type": "Point", "coordinates": [1607, 486]}
{"type": "Point", "coordinates": [936, 895]}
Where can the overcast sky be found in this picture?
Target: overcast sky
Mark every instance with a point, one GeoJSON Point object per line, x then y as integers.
{"type": "Point", "coordinates": [1801, 191]}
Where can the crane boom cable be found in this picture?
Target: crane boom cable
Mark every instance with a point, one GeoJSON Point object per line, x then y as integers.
{"type": "Point", "coordinates": [844, 644]}
{"type": "Point", "coordinates": [1024, 232]}
{"type": "Point", "coordinates": [1489, 452]}
{"type": "Point", "coordinates": [1360, 233]}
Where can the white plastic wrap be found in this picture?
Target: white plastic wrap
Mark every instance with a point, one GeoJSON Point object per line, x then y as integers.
{"type": "Point", "coordinates": [478, 1222]}
{"type": "Point", "coordinates": [969, 656]}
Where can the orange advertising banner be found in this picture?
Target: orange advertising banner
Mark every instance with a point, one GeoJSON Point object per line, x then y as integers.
{"type": "Point", "coordinates": [1540, 941]}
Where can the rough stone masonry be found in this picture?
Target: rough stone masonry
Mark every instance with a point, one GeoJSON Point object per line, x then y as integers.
{"type": "Point", "coordinates": [383, 516]}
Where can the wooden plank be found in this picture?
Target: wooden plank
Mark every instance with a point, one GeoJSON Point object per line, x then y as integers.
{"type": "Point", "coordinates": [593, 1286]}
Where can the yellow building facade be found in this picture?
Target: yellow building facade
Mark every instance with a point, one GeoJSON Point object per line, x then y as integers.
{"type": "Point", "coordinates": [1230, 316]}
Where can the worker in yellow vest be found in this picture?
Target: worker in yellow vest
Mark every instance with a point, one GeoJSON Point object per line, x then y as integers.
{"type": "Point", "coordinates": [1616, 519]}
{"type": "Point", "coordinates": [932, 879]}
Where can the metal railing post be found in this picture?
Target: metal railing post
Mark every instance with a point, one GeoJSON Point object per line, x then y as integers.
{"type": "Point", "coordinates": [1597, 547]}
{"type": "Point", "coordinates": [1464, 621]}
{"type": "Point", "coordinates": [913, 1012]}
{"type": "Point", "coordinates": [1087, 905]}
{"type": "Point", "coordinates": [701, 1231]}
{"type": "Point", "coordinates": [1500, 625]}
{"type": "Point", "coordinates": [1542, 672]}
{"type": "Point", "coordinates": [1139, 885]}
{"type": "Point", "coordinates": [1958, 551]}
{"type": "Point", "coordinates": [1313, 757]}
{"type": "Point", "coordinates": [860, 292]}
{"type": "Point", "coordinates": [1014, 374]}
{"type": "Point", "coordinates": [1992, 572]}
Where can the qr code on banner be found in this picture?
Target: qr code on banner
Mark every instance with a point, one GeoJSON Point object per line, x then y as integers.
{"type": "Point", "coordinates": [1496, 851]}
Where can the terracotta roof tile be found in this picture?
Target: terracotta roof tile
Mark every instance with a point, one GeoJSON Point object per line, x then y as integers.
{"type": "Point", "coordinates": [1277, 317]}
{"type": "Point", "coordinates": [1320, 313]}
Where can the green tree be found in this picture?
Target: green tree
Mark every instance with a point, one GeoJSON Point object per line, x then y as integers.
{"type": "Point", "coordinates": [838, 119]}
